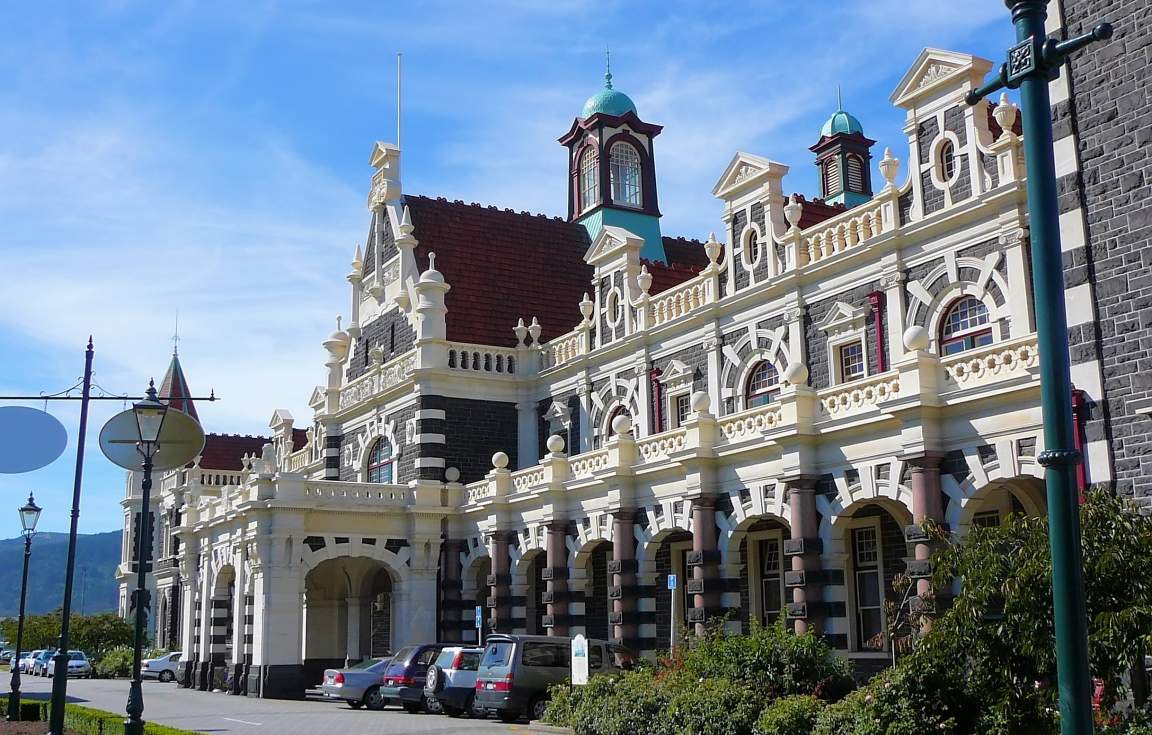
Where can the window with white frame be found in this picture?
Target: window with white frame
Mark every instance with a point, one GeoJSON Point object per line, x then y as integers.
{"type": "Point", "coordinates": [750, 253]}
{"type": "Point", "coordinates": [946, 162]}
{"type": "Point", "coordinates": [771, 560]}
{"type": "Point", "coordinates": [851, 360]}
{"type": "Point", "coordinates": [869, 588]}
{"type": "Point", "coordinates": [625, 171]}
{"type": "Point", "coordinates": [987, 519]}
{"type": "Point", "coordinates": [589, 178]}
{"type": "Point", "coordinates": [966, 325]}
{"type": "Point", "coordinates": [763, 386]}
{"type": "Point", "coordinates": [682, 406]}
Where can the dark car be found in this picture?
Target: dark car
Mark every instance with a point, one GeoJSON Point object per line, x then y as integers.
{"type": "Point", "coordinates": [403, 680]}
{"type": "Point", "coordinates": [517, 670]}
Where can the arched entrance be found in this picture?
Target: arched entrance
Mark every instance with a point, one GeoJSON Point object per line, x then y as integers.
{"type": "Point", "coordinates": [667, 553]}
{"type": "Point", "coordinates": [992, 504]}
{"type": "Point", "coordinates": [530, 570]}
{"type": "Point", "coordinates": [592, 562]}
{"type": "Point", "coordinates": [348, 613]}
{"type": "Point", "coordinates": [756, 557]}
{"type": "Point", "coordinates": [477, 591]}
{"type": "Point", "coordinates": [221, 633]}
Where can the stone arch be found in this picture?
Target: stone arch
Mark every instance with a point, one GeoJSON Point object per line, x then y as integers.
{"type": "Point", "coordinates": [317, 549]}
{"type": "Point", "coordinates": [222, 636]}
{"type": "Point", "coordinates": [991, 291]}
{"type": "Point", "coordinates": [751, 552]}
{"type": "Point", "coordinates": [589, 577]}
{"type": "Point", "coordinates": [528, 582]}
{"type": "Point", "coordinates": [1017, 495]}
{"type": "Point", "coordinates": [376, 429]}
{"type": "Point", "coordinates": [756, 345]}
{"type": "Point", "coordinates": [617, 393]}
{"type": "Point", "coordinates": [474, 585]}
{"type": "Point", "coordinates": [663, 518]}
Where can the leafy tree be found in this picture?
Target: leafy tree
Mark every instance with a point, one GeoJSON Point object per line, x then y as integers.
{"type": "Point", "coordinates": [93, 634]}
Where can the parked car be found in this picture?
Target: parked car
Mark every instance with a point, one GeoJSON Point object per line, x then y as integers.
{"type": "Point", "coordinates": [403, 680]}
{"type": "Point", "coordinates": [451, 681]}
{"type": "Point", "coordinates": [78, 665]}
{"type": "Point", "coordinates": [161, 667]}
{"type": "Point", "coordinates": [358, 685]}
{"type": "Point", "coordinates": [42, 663]}
{"type": "Point", "coordinates": [6, 656]}
{"type": "Point", "coordinates": [27, 659]}
{"type": "Point", "coordinates": [517, 670]}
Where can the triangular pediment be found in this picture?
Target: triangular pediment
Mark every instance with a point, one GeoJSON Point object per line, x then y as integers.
{"type": "Point", "coordinates": [318, 398]}
{"type": "Point", "coordinates": [935, 69]}
{"type": "Point", "coordinates": [611, 242]}
{"type": "Point", "coordinates": [841, 316]}
{"type": "Point", "coordinates": [676, 369]}
{"type": "Point", "coordinates": [382, 154]}
{"type": "Point", "coordinates": [280, 417]}
{"type": "Point", "coordinates": [746, 171]}
{"type": "Point", "coordinates": [558, 413]}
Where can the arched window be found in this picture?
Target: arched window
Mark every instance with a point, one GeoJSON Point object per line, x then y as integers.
{"type": "Point", "coordinates": [380, 462]}
{"type": "Point", "coordinates": [831, 176]}
{"type": "Point", "coordinates": [966, 325]}
{"type": "Point", "coordinates": [763, 385]}
{"type": "Point", "coordinates": [855, 174]}
{"type": "Point", "coordinates": [947, 161]}
{"type": "Point", "coordinates": [589, 178]}
{"type": "Point", "coordinates": [625, 169]}
{"type": "Point", "coordinates": [751, 248]}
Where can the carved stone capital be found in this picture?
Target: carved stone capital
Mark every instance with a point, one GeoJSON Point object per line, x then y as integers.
{"type": "Point", "coordinates": [891, 280]}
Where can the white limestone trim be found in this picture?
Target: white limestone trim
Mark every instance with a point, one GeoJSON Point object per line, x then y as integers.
{"type": "Point", "coordinates": [431, 414]}
{"type": "Point", "coordinates": [431, 438]}
{"type": "Point", "coordinates": [433, 462]}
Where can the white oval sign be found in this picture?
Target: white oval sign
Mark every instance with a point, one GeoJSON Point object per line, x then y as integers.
{"type": "Point", "coordinates": [181, 439]}
{"type": "Point", "coordinates": [31, 439]}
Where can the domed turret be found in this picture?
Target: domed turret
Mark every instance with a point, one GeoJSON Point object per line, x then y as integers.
{"type": "Point", "coordinates": [608, 101]}
{"type": "Point", "coordinates": [844, 159]}
{"type": "Point", "coordinates": [841, 122]}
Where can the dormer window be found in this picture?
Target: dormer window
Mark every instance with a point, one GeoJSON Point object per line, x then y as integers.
{"type": "Point", "coordinates": [625, 172]}
{"type": "Point", "coordinates": [589, 178]}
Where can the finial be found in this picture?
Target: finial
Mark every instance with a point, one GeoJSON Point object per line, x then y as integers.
{"type": "Point", "coordinates": [607, 67]}
{"type": "Point", "coordinates": [839, 100]}
{"type": "Point", "coordinates": [431, 261]}
{"type": "Point", "coordinates": [176, 336]}
{"type": "Point", "coordinates": [338, 318]}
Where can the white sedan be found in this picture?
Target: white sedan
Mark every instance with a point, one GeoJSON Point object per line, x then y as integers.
{"type": "Point", "coordinates": [161, 667]}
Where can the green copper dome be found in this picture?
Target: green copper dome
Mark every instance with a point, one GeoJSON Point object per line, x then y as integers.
{"type": "Point", "coordinates": [609, 101]}
{"type": "Point", "coordinates": [841, 122]}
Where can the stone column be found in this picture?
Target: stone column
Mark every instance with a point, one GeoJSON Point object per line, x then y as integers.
{"type": "Point", "coordinates": [927, 504]}
{"type": "Point", "coordinates": [239, 612]}
{"type": "Point", "coordinates": [204, 662]}
{"type": "Point", "coordinates": [500, 582]}
{"type": "Point", "coordinates": [556, 575]}
{"type": "Point", "coordinates": [352, 634]}
{"type": "Point", "coordinates": [803, 548]}
{"type": "Point", "coordinates": [623, 568]}
{"type": "Point", "coordinates": [452, 624]}
{"type": "Point", "coordinates": [704, 559]}
{"type": "Point", "coordinates": [188, 624]}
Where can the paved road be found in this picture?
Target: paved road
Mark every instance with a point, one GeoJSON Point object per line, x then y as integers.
{"type": "Point", "coordinates": [220, 713]}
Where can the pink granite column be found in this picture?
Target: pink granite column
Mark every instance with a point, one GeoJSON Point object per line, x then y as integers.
{"type": "Point", "coordinates": [704, 584]}
{"type": "Point", "coordinates": [623, 568]}
{"type": "Point", "coordinates": [556, 575]}
{"type": "Point", "coordinates": [803, 547]}
{"type": "Point", "coordinates": [499, 582]}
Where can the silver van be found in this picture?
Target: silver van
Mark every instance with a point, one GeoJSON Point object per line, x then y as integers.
{"type": "Point", "coordinates": [517, 670]}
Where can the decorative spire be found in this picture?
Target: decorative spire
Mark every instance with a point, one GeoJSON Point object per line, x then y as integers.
{"type": "Point", "coordinates": [839, 100]}
{"type": "Point", "coordinates": [607, 67]}
{"type": "Point", "coordinates": [176, 336]}
{"type": "Point", "coordinates": [174, 388]}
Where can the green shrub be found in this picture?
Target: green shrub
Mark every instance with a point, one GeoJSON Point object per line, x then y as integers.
{"type": "Point", "coordinates": [116, 662]}
{"type": "Point", "coordinates": [88, 721]}
{"type": "Point", "coordinates": [772, 660]}
{"type": "Point", "coordinates": [794, 715]}
{"type": "Point", "coordinates": [563, 699]}
{"type": "Point", "coordinates": [711, 707]}
{"type": "Point", "coordinates": [629, 704]}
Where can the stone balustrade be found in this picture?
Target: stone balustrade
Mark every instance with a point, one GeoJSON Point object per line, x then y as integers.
{"type": "Point", "coordinates": [847, 230]}
{"type": "Point", "coordinates": [378, 379]}
{"type": "Point", "coordinates": [335, 492]}
{"type": "Point", "coordinates": [1019, 358]}
{"type": "Point", "coordinates": [679, 301]}
{"type": "Point", "coordinates": [859, 396]}
{"type": "Point", "coordinates": [482, 359]}
{"type": "Point", "coordinates": [564, 348]}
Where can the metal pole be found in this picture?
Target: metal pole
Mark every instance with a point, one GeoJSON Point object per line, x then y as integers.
{"type": "Point", "coordinates": [60, 672]}
{"type": "Point", "coordinates": [14, 697]}
{"type": "Point", "coordinates": [1032, 63]}
{"type": "Point", "coordinates": [1060, 456]}
{"type": "Point", "coordinates": [134, 725]}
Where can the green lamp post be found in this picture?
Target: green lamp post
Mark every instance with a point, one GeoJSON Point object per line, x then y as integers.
{"type": "Point", "coordinates": [1032, 63]}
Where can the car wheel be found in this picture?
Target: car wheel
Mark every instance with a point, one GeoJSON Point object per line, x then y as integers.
{"type": "Point", "coordinates": [166, 676]}
{"type": "Point", "coordinates": [536, 709]}
{"type": "Point", "coordinates": [355, 703]}
{"type": "Point", "coordinates": [374, 699]}
{"type": "Point", "coordinates": [433, 706]}
{"type": "Point", "coordinates": [508, 717]}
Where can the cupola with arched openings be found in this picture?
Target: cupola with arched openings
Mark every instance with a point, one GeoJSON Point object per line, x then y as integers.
{"type": "Point", "coordinates": [612, 170]}
{"type": "Point", "coordinates": [844, 159]}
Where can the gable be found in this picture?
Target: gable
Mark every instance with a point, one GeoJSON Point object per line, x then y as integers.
{"type": "Point", "coordinates": [935, 69]}
{"type": "Point", "coordinates": [744, 172]}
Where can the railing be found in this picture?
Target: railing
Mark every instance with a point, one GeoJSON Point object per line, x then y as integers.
{"type": "Point", "coordinates": [299, 460]}
{"type": "Point", "coordinates": [660, 446]}
{"type": "Point", "coordinates": [359, 493]}
{"type": "Point", "coordinates": [992, 363]}
{"type": "Point", "coordinates": [677, 302]}
{"type": "Point", "coordinates": [564, 348]}
{"type": "Point", "coordinates": [845, 231]}
{"type": "Point", "coordinates": [478, 491]}
{"type": "Point", "coordinates": [527, 478]}
{"type": "Point", "coordinates": [750, 423]}
{"type": "Point", "coordinates": [859, 395]}
{"type": "Point", "coordinates": [378, 379]}
{"type": "Point", "coordinates": [587, 464]}
{"type": "Point", "coordinates": [482, 359]}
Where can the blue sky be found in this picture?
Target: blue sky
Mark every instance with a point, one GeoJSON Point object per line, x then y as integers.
{"type": "Point", "coordinates": [211, 157]}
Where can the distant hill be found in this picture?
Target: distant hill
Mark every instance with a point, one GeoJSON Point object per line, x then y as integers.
{"type": "Point", "coordinates": [94, 586]}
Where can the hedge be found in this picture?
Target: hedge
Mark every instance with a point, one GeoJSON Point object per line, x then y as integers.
{"type": "Point", "coordinates": [87, 721]}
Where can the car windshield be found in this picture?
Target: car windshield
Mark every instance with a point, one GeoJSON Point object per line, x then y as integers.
{"type": "Point", "coordinates": [77, 656]}
{"type": "Point", "coordinates": [498, 654]}
{"type": "Point", "coordinates": [444, 660]}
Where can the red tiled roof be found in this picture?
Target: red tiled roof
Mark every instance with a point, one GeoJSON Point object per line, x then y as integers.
{"type": "Point", "coordinates": [686, 258]}
{"type": "Point", "coordinates": [502, 266]}
{"type": "Point", "coordinates": [223, 451]}
{"type": "Point", "coordinates": [994, 127]}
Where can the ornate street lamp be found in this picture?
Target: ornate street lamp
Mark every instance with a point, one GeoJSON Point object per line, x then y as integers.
{"type": "Point", "coordinates": [29, 516]}
{"type": "Point", "coordinates": [149, 436]}
{"type": "Point", "coordinates": [1032, 63]}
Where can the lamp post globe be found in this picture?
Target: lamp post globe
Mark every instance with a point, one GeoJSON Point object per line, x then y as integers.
{"type": "Point", "coordinates": [150, 414]}
{"type": "Point", "coordinates": [29, 517]}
